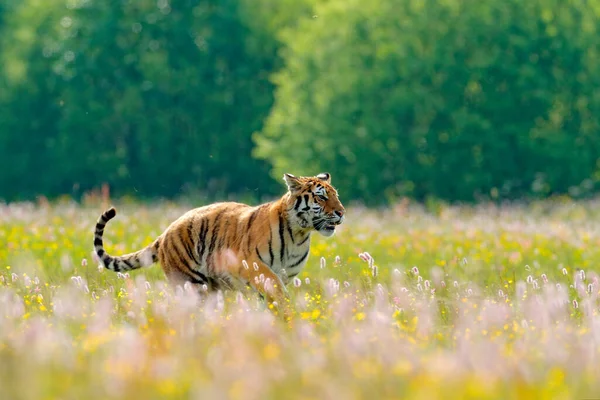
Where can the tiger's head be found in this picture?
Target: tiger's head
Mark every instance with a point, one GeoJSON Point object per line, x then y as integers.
{"type": "Point", "coordinates": [314, 203]}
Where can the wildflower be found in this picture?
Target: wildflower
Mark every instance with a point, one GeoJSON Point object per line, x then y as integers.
{"type": "Point", "coordinates": [500, 293]}
{"type": "Point", "coordinates": [204, 288]}
{"type": "Point", "coordinates": [322, 262]}
{"type": "Point", "coordinates": [443, 284]}
{"type": "Point", "coordinates": [419, 279]}
{"type": "Point", "coordinates": [404, 290]}
{"type": "Point", "coordinates": [14, 277]}
{"type": "Point", "coordinates": [255, 265]}
{"type": "Point", "coordinates": [307, 281]}
{"type": "Point", "coordinates": [575, 303]}
{"type": "Point", "coordinates": [297, 282]}
{"type": "Point", "coordinates": [564, 271]}
{"type": "Point", "coordinates": [535, 284]}
{"type": "Point", "coordinates": [469, 292]}
{"type": "Point", "coordinates": [147, 284]}
{"type": "Point", "coordinates": [396, 272]}
{"type": "Point", "coordinates": [239, 298]}
{"type": "Point", "coordinates": [419, 287]}
{"type": "Point", "coordinates": [220, 301]}
{"type": "Point", "coordinates": [84, 263]}
{"type": "Point", "coordinates": [544, 278]}
{"type": "Point", "coordinates": [590, 288]}
{"type": "Point", "coordinates": [558, 287]}
{"type": "Point", "coordinates": [374, 271]}
{"type": "Point", "coordinates": [582, 275]}
{"type": "Point", "coordinates": [427, 284]}
{"type": "Point", "coordinates": [456, 284]}
{"type": "Point", "coordinates": [415, 270]}
{"type": "Point", "coordinates": [529, 279]}
{"type": "Point", "coordinates": [338, 260]}
{"type": "Point", "coordinates": [346, 284]}
{"type": "Point", "coordinates": [365, 256]}
{"type": "Point", "coordinates": [245, 264]}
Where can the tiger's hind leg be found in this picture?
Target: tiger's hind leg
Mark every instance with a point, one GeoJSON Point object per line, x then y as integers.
{"type": "Point", "coordinates": [180, 271]}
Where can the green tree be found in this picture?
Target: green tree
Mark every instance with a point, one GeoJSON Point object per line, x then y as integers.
{"type": "Point", "coordinates": [29, 107]}
{"type": "Point", "coordinates": [150, 97]}
{"type": "Point", "coordinates": [452, 99]}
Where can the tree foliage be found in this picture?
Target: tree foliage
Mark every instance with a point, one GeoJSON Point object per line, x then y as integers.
{"type": "Point", "coordinates": [454, 99]}
{"type": "Point", "coordinates": [151, 97]}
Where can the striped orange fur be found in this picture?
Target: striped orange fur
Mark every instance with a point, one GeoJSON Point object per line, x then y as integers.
{"type": "Point", "coordinates": [231, 245]}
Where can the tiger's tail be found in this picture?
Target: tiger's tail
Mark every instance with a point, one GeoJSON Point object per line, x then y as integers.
{"type": "Point", "coordinates": [142, 258]}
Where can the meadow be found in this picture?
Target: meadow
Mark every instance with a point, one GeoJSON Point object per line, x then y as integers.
{"type": "Point", "coordinates": [480, 302]}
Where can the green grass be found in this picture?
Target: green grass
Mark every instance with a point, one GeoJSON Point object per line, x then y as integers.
{"type": "Point", "coordinates": [462, 302]}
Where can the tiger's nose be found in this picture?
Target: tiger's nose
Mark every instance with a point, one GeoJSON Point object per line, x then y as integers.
{"type": "Point", "coordinates": [339, 213]}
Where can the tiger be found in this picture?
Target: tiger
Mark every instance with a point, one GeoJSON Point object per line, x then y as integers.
{"type": "Point", "coordinates": [231, 245]}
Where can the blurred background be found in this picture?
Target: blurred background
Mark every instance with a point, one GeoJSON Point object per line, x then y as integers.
{"type": "Point", "coordinates": [457, 100]}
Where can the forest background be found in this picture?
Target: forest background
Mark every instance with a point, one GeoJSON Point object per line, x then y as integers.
{"type": "Point", "coordinates": [455, 100]}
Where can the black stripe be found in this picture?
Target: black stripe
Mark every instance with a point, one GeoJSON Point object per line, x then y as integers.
{"type": "Point", "coordinates": [304, 241]}
{"type": "Point", "coordinates": [100, 253]}
{"type": "Point", "coordinates": [298, 200]}
{"type": "Point", "coordinates": [271, 249]}
{"type": "Point", "coordinates": [250, 221]}
{"type": "Point", "coordinates": [202, 280]}
{"type": "Point", "coordinates": [259, 257]}
{"type": "Point", "coordinates": [290, 232]}
{"type": "Point", "coordinates": [100, 226]}
{"type": "Point", "coordinates": [224, 236]}
{"type": "Point", "coordinates": [306, 207]}
{"type": "Point", "coordinates": [97, 242]}
{"type": "Point", "coordinates": [154, 255]}
{"type": "Point", "coordinates": [202, 238]}
{"type": "Point", "coordinates": [128, 263]}
{"type": "Point", "coordinates": [215, 232]}
{"type": "Point", "coordinates": [177, 253]}
{"type": "Point", "coordinates": [282, 248]}
{"type": "Point", "coordinates": [300, 260]}
{"type": "Point", "coordinates": [189, 247]}
{"type": "Point", "coordinates": [252, 218]}
{"type": "Point", "coordinates": [293, 275]}
{"type": "Point", "coordinates": [214, 237]}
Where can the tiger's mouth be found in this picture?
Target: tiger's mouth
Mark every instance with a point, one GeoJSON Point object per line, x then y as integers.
{"type": "Point", "coordinates": [329, 227]}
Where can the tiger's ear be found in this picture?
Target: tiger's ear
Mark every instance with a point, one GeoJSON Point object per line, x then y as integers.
{"type": "Point", "coordinates": [325, 176]}
{"type": "Point", "coordinates": [293, 183]}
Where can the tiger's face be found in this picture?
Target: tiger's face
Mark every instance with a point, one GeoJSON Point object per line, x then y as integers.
{"type": "Point", "coordinates": [314, 203]}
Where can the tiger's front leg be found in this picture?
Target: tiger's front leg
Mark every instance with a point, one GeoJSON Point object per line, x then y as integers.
{"type": "Point", "coordinates": [268, 284]}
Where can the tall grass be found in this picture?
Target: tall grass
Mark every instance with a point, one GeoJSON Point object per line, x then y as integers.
{"type": "Point", "coordinates": [464, 302]}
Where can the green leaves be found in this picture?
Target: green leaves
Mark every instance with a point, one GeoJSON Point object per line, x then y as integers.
{"type": "Point", "coordinates": [450, 99]}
